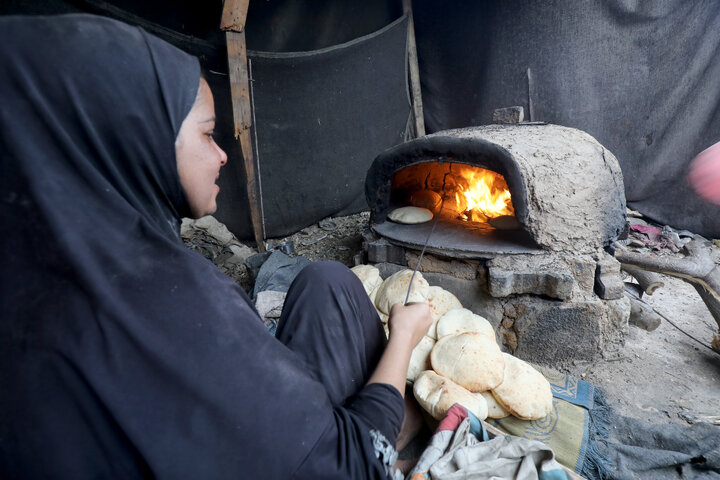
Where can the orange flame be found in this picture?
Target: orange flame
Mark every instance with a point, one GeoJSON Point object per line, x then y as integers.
{"type": "Point", "coordinates": [483, 194]}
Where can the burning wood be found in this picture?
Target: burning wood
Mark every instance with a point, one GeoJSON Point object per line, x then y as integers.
{"type": "Point", "coordinates": [472, 194]}
{"type": "Point", "coordinates": [482, 194]}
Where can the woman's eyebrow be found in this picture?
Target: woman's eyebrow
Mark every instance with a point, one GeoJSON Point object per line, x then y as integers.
{"type": "Point", "coordinates": [208, 120]}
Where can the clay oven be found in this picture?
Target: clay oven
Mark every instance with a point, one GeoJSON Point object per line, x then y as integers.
{"type": "Point", "coordinates": [534, 262]}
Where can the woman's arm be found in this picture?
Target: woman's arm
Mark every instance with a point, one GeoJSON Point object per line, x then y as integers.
{"type": "Point", "coordinates": [408, 324]}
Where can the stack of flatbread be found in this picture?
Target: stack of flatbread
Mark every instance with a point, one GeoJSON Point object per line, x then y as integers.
{"type": "Point", "coordinates": [459, 359]}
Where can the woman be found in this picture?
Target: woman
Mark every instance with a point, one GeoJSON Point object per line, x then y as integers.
{"type": "Point", "coordinates": [122, 353]}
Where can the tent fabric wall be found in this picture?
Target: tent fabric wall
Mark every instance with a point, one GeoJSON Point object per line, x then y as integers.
{"type": "Point", "coordinates": [321, 117]}
{"type": "Point", "coordinates": [642, 77]}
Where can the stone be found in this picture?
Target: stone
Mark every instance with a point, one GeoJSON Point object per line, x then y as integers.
{"type": "Point", "coordinates": [215, 229]}
{"type": "Point", "coordinates": [470, 295]}
{"type": "Point", "coordinates": [609, 284]}
{"type": "Point", "coordinates": [582, 268]}
{"type": "Point", "coordinates": [534, 274]}
{"type": "Point", "coordinates": [380, 251]}
{"type": "Point", "coordinates": [240, 253]}
{"type": "Point", "coordinates": [431, 263]}
{"type": "Point", "coordinates": [186, 227]}
{"type": "Point", "coordinates": [507, 115]}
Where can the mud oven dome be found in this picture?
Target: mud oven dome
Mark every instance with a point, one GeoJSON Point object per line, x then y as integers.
{"type": "Point", "coordinates": [537, 267]}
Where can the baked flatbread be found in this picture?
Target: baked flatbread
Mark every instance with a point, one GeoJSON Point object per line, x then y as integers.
{"type": "Point", "coordinates": [410, 215]}
{"type": "Point", "coordinates": [471, 359]}
{"type": "Point", "coordinates": [441, 301]}
{"type": "Point", "coordinates": [524, 392]}
{"type": "Point", "coordinates": [394, 289]}
{"type": "Point", "coordinates": [436, 394]}
{"type": "Point", "coordinates": [495, 410]}
{"type": "Point", "coordinates": [369, 276]}
{"type": "Point", "coordinates": [462, 320]}
{"type": "Point", "coordinates": [373, 294]}
{"type": "Point", "coordinates": [420, 358]}
{"type": "Point", "coordinates": [426, 199]}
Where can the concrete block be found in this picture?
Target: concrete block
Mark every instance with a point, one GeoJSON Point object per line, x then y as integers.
{"type": "Point", "coordinates": [508, 115]}
{"type": "Point", "coordinates": [465, 269]}
{"type": "Point", "coordinates": [380, 251]}
{"type": "Point", "coordinates": [533, 274]}
{"type": "Point", "coordinates": [609, 284]}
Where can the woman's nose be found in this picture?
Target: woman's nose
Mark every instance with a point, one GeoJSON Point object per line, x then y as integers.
{"type": "Point", "coordinates": [223, 155]}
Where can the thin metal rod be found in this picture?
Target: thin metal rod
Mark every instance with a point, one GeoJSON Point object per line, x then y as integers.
{"type": "Point", "coordinates": [422, 252]}
{"type": "Point", "coordinates": [427, 240]}
{"type": "Point", "coordinates": [257, 149]}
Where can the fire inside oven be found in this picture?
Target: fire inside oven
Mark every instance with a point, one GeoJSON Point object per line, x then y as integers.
{"type": "Point", "coordinates": [457, 192]}
{"type": "Point", "coordinates": [474, 206]}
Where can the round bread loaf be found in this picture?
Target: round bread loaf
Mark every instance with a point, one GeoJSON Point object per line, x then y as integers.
{"type": "Point", "coordinates": [426, 199]}
{"type": "Point", "coordinates": [369, 276]}
{"type": "Point", "coordinates": [462, 320]}
{"type": "Point", "coordinates": [524, 392]}
{"type": "Point", "coordinates": [495, 410]}
{"type": "Point", "coordinates": [420, 358]}
{"type": "Point", "coordinates": [471, 359]}
{"type": "Point", "coordinates": [410, 215]}
{"type": "Point", "coordinates": [394, 289]}
{"type": "Point", "coordinates": [436, 394]}
{"type": "Point", "coordinates": [440, 301]}
{"type": "Point", "coordinates": [373, 294]}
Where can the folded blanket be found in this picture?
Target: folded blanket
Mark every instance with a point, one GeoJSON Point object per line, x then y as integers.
{"type": "Point", "coordinates": [461, 449]}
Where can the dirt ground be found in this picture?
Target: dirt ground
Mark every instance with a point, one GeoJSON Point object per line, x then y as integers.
{"type": "Point", "coordinates": [661, 376]}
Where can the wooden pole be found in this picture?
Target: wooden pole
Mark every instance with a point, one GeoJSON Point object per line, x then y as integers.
{"type": "Point", "coordinates": [233, 23]}
{"type": "Point", "coordinates": [414, 73]}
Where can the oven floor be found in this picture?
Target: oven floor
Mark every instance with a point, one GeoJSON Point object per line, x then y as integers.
{"type": "Point", "coordinates": [463, 239]}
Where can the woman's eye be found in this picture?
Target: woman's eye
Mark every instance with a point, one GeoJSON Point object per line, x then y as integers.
{"type": "Point", "coordinates": [211, 134]}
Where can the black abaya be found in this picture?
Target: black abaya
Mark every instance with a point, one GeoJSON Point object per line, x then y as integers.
{"type": "Point", "coordinates": [123, 354]}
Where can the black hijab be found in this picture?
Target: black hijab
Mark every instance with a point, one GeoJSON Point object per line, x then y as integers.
{"type": "Point", "coordinates": [121, 352]}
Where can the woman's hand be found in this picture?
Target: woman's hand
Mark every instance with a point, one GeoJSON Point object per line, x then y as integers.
{"type": "Point", "coordinates": [410, 321]}
{"type": "Point", "coordinates": [408, 324]}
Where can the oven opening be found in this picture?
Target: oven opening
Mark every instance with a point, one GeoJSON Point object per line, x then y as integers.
{"type": "Point", "coordinates": [473, 207]}
{"type": "Point", "coordinates": [456, 192]}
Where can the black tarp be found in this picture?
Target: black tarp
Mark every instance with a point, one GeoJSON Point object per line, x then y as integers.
{"type": "Point", "coordinates": [643, 77]}
{"type": "Point", "coordinates": [321, 117]}
{"type": "Point", "coordinates": [640, 76]}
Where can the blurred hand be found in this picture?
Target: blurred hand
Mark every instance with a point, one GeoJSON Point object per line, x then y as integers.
{"type": "Point", "coordinates": [704, 176]}
{"type": "Point", "coordinates": [410, 321]}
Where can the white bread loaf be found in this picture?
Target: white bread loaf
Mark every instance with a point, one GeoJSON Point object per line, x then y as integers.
{"type": "Point", "coordinates": [462, 320]}
{"type": "Point", "coordinates": [524, 392]}
{"type": "Point", "coordinates": [470, 359]}
{"type": "Point", "coordinates": [436, 394]}
{"type": "Point", "coordinates": [394, 289]}
{"type": "Point", "coordinates": [420, 358]}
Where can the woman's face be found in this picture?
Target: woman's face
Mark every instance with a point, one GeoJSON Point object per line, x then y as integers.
{"type": "Point", "coordinates": [198, 157]}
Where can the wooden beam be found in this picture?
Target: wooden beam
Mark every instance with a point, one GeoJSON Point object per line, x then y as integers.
{"type": "Point", "coordinates": [416, 92]}
{"type": "Point", "coordinates": [233, 21]}
{"type": "Point", "coordinates": [234, 15]}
